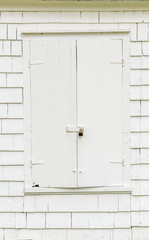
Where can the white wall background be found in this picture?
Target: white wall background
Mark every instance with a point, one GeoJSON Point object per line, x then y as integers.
{"type": "Point", "coordinates": [68, 217]}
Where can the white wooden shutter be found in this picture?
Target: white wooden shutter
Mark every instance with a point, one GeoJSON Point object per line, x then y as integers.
{"type": "Point", "coordinates": [53, 107]}
{"type": "Point", "coordinates": [99, 95]}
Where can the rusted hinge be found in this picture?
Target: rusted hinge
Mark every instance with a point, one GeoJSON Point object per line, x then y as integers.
{"type": "Point", "coordinates": [34, 63]}
{"type": "Point", "coordinates": [118, 62]}
{"type": "Point", "coordinates": [119, 162]}
{"type": "Point", "coordinates": [36, 162]}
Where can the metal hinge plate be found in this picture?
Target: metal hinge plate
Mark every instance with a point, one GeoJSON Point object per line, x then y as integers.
{"type": "Point", "coordinates": [72, 129]}
{"type": "Point", "coordinates": [36, 162]}
{"type": "Point", "coordinates": [34, 63]}
{"type": "Point", "coordinates": [118, 161]}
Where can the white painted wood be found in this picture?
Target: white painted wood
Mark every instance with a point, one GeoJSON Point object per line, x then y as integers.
{"type": "Point", "coordinates": [12, 31]}
{"type": "Point", "coordinates": [35, 220]}
{"type": "Point", "coordinates": [14, 188]}
{"type": "Point", "coordinates": [89, 17]}
{"type": "Point", "coordinates": [3, 30]}
{"type": "Point", "coordinates": [63, 28]}
{"type": "Point", "coordinates": [15, 111]}
{"type": "Point", "coordinates": [142, 32]}
{"type": "Point", "coordinates": [80, 191]}
{"type": "Point", "coordinates": [64, 57]}
{"type": "Point", "coordinates": [122, 220]}
{"type": "Point", "coordinates": [53, 99]}
{"type": "Point", "coordinates": [136, 77]}
{"type": "Point", "coordinates": [14, 80]}
{"type": "Point", "coordinates": [3, 80]}
{"type": "Point", "coordinates": [100, 111]}
{"type": "Point", "coordinates": [70, 17]}
{"type": "Point", "coordinates": [8, 95]}
{"type": "Point", "coordinates": [145, 77]}
{"type": "Point", "coordinates": [136, 62]}
{"type": "Point", "coordinates": [73, 203]}
{"type": "Point", "coordinates": [12, 126]}
{"type": "Point", "coordinates": [7, 220]}
{"type": "Point", "coordinates": [135, 108]}
{"type": "Point", "coordinates": [136, 49]}
{"type": "Point", "coordinates": [11, 158]}
{"type": "Point", "coordinates": [21, 220]}
{"type": "Point", "coordinates": [16, 48]}
{"type": "Point", "coordinates": [105, 205]}
{"type": "Point", "coordinates": [58, 220]}
{"type": "Point", "coordinates": [93, 220]}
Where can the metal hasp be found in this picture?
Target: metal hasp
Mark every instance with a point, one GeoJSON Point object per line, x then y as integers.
{"type": "Point", "coordinates": [72, 129]}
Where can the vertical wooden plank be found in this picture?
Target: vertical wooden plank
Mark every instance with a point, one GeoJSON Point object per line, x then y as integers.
{"type": "Point", "coordinates": [27, 122]}
{"type": "Point", "coordinates": [53, 97]}
{"type": "Point", "coordinates": [126, 111]}
{"type": "Point", "coordinates": [100, 111]}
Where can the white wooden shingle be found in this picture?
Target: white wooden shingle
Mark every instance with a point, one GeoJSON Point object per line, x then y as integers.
{"type": "Point", "coordinates": [124, 202]}
{"type": "Point", "coordinates": [92, 220]}
{"type": "Point", "coordinates": [41, 17]}
{"type": "Point", "coordinates": [145, 77]}
{"type": "Point", "coordinates": [135, 108]}
{"type": "Point", "coordinates": [123, 234]}
{"type": "Point", "coordinates": [11, 204]}
{"type": "Point", "coordinates": [122, 220]}
{"type": "Point", "coordinates": [142, 32]}
{"type": "Point", "coordinates": [15, 111]}
{"type": "Point", "coordinates": [8, 95]}
{"type": "Point", "coordinates": [16, 188]}
{"type": "Point", "coordinates": [12, 31]}
{"type": "Point", "coordinates": [16, 48]}
{"type": "Point", "coordinates": [29, 203]}
{"type": "Point", "coordinates": [11, 17]}
{"type": "Point", "coordinates": [111, 17]}
{"type": "Point", "coordinates": [136, 124]}
{"type": "Point", "coordinates": [42, 203]}
{"type": "Point", "coordinates": [36, 220]}
{"type": "Point", "coordinates": [105, 205]}
{"type": "Point", "coordinates": [145, 48]}
{"type": "Point", "coordinates": [135, 77]}
{"type": "Point", "coordinates": [135, 156]}
{"type": "Point", "coordinates": [144, 155]}
{"type": "Point", "coordinates": [3, 31]}
{"type": "Point", "coordinates": [136, 62]}
{"type": "Point", "coordinates": [7, 220]}
{"type": "Point", "coordinates": [10, 234]}
{"type": "Point", "coordinates": [89, 17]}
{"type": "Point", "coordinates": [73, 203]}
{"type": "Point", "coordinates": [136, 49]}
{"type": "Point", "coordinates": [11, 173]}
{"type": "Point", "coordinates": [20, 220]}
{"type": "Point", "coordinates": [70, 17]}
{"type": "Point", "coordinates": [58, 220]}
{"type": "Point", "coordinates": [12, 126]}
{"type": "Point", "coordinates": [135, 93]}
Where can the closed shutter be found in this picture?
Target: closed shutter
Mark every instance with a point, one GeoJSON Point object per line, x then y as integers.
{"type": "Point", "coordinates": [76, 81]}
{"type": "Point", "coordinates": [53, 107]}
{"type": "Point", "coordinates": [100, 111]}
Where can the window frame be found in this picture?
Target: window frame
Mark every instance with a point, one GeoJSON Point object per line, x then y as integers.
{"type": "Point", "coordinates": [124, 34]}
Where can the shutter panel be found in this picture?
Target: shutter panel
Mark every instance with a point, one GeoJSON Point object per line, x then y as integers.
{"type": "Point", "coordinates": [100, 111]}
{"type": "Point", "coordinates": [53, 107]}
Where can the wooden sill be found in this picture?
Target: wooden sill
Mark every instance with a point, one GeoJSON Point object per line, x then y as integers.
{"type": "Point", "coordinates": [71, 191]}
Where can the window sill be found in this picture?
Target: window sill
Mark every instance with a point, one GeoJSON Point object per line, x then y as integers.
{"type": "Point", "coordinates": [70, 191]}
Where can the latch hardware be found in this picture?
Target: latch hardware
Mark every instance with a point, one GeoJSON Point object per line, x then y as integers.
{"type": "Point", "coordinates": [74, 129]}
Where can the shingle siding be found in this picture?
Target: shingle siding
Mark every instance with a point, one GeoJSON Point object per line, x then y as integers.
{"type": "Point", "coordinates": [61, 217]}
